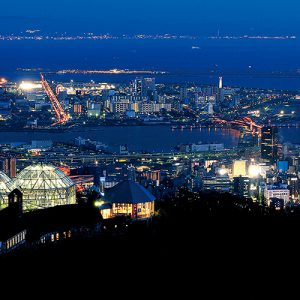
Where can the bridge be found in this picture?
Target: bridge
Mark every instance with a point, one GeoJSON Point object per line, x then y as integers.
{"type": "Point", "coordinates": [243, 122]}
{"type": "Point", "coordinates": [61, 115]}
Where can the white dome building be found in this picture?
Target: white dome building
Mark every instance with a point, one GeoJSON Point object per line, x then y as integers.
{"type": "Point", "coordinates": [44, 186]}
{"type": "Point", "coordinates": [5, 189]}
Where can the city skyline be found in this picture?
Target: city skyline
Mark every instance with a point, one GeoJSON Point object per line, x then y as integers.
{"type": "Point", "coordinates": [133, 134]}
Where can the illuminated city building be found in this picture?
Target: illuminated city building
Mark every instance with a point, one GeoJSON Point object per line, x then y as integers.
{"type": "Point", "coordinates": [135, 106]}
{"type": "Point", "coordinates": [146, 107]}
{"type": "Point", "coordinates": [12, 167]}
{"type": "Point", "coordinates": [30, 86]}
{"type": "Point", "coordinates": [129, 198]}
{"type": "Point", "coordinates": [120, 106]}
{"type": "Point", "coordinates": [220, 183]}
{"type": "Point", "coordinates": [9, 166]}
{"type": "Point", "coordinates": [105, 209]}
{"type": "Point", "coordinates": [210, 109]}
{"type": "Point", "coordinates": [148, 88]}
{"type": "Point", "coordinates": [239, 168]}
{"type": "Point", "coordinates": [184, 95]}
{"type": "Point", "coordinates": [152, 175]}
{"type": "Point", "coordinates": [241, 186]}
{"type": "Point", "coordinates": [293, 186]}
{"type": "Point", "coordinates": [4, 165]}
{"type": "Point", "coordinates": [278, 192]}
{"type": "Point", "coordinates": [269, 143]}
{"type": "Point", "coordinates": [220, 82]}
{"type": "Point", "coordinates": [137, 87]}
{"type": "Point", "coordinates": [220, 93]}
{"type": "Point", "coordinates": [94, 110]}
{"type": "Point", "coordinates": [44, 186]}
{"type": "Point", "coordinates": [77, 108]}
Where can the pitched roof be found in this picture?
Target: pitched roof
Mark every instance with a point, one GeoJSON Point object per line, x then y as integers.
{"type": "Point", "coordinates": [128, 192]}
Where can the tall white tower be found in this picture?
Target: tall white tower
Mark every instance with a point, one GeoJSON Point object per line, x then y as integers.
{"type": "Point", "coordinates": [210, 109]}
{"type": "Point", "coordinates": [220, 83]}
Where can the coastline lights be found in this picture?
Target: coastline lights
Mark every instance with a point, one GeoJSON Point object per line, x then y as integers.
{"type": "Point", "coordinates": [3, 81]}
{"type": "Point", "coordinates": [28, 86]}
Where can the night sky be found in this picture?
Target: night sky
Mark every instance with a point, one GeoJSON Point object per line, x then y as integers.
{"type": "Point", "coordinates": [200, 17]}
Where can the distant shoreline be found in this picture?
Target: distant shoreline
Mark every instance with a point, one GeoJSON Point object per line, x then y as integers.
{"type": "Point", "coordinates": [32, 36]}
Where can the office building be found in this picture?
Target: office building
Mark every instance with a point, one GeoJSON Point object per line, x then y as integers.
{"type": "Point", "coordinates": [148, 88]}
{"type": "Point", "coordinates": [4, 165]}
{"type": "Point", "coordinates": [77, 109]}
{"type": "Point", "coordinates": [120, 106]}
{"type": "Point", "coordinates": [241, 186]}
{"type": "Point", "coordinates": [294, 187]}
{"type": "Point", "coordinates": [240, 168]}
{"type": "Point", "coordinates": [269, 144]}
{"type": "Point", "coordinates": [184, 95]}
{"type": "Point", "coordinates": [219, 183]}
{"type": "Point", "coordinates": [276, 191]}
{"type": "Point", "coordinates": [137, 87]}
{"type": "Point", "coordinates": [9, 166]}
{"type": "Point", "coordinates": [94, 110]}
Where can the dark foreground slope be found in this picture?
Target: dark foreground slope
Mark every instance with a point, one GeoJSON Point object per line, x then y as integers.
{"type": "Point", "coordinates": [199, 233]}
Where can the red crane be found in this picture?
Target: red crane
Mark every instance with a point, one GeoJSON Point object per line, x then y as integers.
{"type": "Point", "coordinates": [61, 115]}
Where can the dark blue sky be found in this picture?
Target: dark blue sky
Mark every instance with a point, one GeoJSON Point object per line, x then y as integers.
{"type": "Point", "coordinates": [199, 17]}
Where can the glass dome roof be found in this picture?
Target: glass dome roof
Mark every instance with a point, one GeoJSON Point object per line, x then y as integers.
{"type": "Point", "coordinates": [42, 177]}
{"type": "Point", "coordinates": [4, 183]}
{"type": "Point", "coordinates": [5, 189]}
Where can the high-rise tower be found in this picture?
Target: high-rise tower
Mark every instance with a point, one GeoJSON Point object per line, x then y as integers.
{"type": "Point", "coordinates": [269, 143]}
{"type": "Point", "coordinates": [220, 83]}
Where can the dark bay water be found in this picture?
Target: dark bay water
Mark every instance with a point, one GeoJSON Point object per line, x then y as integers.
{"type": "Point", "coordinates": [152, 138]}
{"type": "Point", "coordinates": [242, 62]}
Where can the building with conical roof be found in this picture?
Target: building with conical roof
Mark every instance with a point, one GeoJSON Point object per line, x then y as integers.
{"type": "Point", "coordinates": [130, 199]}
